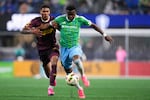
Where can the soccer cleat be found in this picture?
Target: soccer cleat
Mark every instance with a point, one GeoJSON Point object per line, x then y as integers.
{"type": "Point", "coordinates": [51, 91]}
{"type": "Point", "coordinates": [81, 94]}
{"type": "Point", "coordinates": [85, 81]}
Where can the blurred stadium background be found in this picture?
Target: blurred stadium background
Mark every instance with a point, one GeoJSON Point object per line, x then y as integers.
{"type": "Point", "coordinates": [127, 21]}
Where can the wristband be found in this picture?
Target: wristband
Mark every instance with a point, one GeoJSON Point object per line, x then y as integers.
{"type": "Point", "coordinates": [104, 34]}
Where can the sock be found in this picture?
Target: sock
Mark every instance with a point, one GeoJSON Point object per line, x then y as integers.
{"type": "Point", "coordinates": [79, 65]}
{"type": "Point", "coordinates": [51, 86]}
{"type": "Point", "coordinates": [78, 86]}
{"type": "Point", "coordinates": [53, 74]}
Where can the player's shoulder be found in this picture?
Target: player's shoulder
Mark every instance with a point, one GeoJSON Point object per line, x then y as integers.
{"type": "Point", "coordinates": [80, 17]}
{"type": "Point", "coordinates": [61, 16]}
{"type": "Point", "coordinates": [36, 19]}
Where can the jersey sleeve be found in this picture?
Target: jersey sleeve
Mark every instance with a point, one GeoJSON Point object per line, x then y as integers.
{"type": "Point", "coordinates": [31, 23]}
{"type": "Point", "coordinates": [84, 21]}
{"type": "Point", "coordinates": [58, 19]}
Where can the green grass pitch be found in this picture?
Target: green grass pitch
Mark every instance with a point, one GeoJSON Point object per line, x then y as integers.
{"type": "Point", "coordinates": [100, 89]}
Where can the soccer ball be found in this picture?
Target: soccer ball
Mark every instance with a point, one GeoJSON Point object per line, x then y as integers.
{"type": "Point", "coordinates": [72, 79]}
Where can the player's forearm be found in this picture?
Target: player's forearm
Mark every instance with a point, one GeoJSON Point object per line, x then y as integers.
{"type": "Point", "coordinates": [26, 31]}
{"type": "Point", "coordinates": [98, 30]}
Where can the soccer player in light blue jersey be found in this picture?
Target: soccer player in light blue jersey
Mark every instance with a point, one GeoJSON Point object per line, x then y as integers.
{"type": "Point", "coordinates": [69, 26]}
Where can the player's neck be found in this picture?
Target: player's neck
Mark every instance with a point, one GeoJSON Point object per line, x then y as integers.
{"type": "Point", "coordinates": [45, 20]}
{"type": "Point", "coordinates": [69, 19]}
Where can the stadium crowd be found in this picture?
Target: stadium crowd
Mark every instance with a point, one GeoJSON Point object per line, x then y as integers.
{"type": "Point", "coordinates": [84, 6]}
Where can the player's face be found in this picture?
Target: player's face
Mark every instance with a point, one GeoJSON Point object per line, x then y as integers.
{"type": "Point", "coordinates": [45, 12]}
{"type": "Point", "coordinates": [71, 14]}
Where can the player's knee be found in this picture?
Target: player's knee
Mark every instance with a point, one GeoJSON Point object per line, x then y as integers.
{"type": "Point", "coordinates": [77, 60]}
{"type": "Point", "coordinates": [69, 70]}
{"type": "Point", "coordinates": [76, 57]}
{"type": "Point", "coordinates": [54, 60]}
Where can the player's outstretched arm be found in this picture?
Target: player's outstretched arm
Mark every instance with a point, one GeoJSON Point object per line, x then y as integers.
{"type": "Point", "coordinates": [107, 37]}
{"type": "Point", "coordinates": [28, 30]}
{"type": "Point", "coordinates": [52, 23]}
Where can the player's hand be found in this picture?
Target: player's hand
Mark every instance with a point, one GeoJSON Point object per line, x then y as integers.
{"type": "Point", "coordinates": [55, 25]}
{"type": "Point", "coordinates": [109, 38]}
{"type": "Point", "coordinates": [37, 32]}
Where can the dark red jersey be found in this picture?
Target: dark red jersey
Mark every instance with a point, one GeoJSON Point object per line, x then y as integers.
{"type": "Point", "coordinates": [48, 39]}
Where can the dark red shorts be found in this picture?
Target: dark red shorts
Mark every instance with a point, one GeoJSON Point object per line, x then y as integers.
{"type": "Point", "coordinates": [45, 55]}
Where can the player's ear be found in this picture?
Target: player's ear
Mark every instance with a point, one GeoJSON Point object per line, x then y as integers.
{"type": "Point", "coordinates": [49, 10]}
{"type": "Point", "coordinates": [41, 11]}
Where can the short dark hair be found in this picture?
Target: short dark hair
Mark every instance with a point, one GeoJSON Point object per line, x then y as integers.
{"type": "Point", "coordinates": [70, 7]}
{"type": "Point", "coordinates": [44, 6]}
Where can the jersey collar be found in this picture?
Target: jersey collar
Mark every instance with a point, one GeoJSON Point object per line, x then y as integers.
{"type": "Point", "coordinates": [69, 20]}
{"type": "Point", "coordinates": [45, 21]}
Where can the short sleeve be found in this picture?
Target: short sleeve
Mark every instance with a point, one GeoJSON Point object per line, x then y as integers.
{"type": "Point", "coordinates": [85, 21]}
{"type": "Point", "coordinates": [58, 19]}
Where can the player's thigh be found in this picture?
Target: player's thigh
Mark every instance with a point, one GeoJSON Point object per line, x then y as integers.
{"type": "Point", "coordinates": [54, 55]}
{"type": "Point", "coordinates": [75, 52]}
{"type": "Point", "coordinates": [64, 54]}
{"type": "Point", "coordinates": [68, 63]}
{"type": "Point", "coordinates": [45, 60]}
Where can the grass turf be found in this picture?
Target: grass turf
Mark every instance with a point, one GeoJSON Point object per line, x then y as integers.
{"type": "Point", "coordinates": [100, 89]}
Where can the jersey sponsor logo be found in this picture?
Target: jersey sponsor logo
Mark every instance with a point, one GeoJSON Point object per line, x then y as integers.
{"type": "Point", "coordinates": [65, 26]}
{"type": "Point", "coordinates": [64, 22]}
{"type": "Point", "coordinates": [47, 31]}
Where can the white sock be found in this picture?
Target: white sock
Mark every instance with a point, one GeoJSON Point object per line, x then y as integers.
{"type": "Point", "coordinates": [79, 65]}
{"type": "Point", "coordinates": [78, 86]}
{"type": "Point", "coordinates": [50, 86]}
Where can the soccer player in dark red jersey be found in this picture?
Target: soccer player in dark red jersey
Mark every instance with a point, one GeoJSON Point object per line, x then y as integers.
{"type": "Point", "coordinates": [46, 44]}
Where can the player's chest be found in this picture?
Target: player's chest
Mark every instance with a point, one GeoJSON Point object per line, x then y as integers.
{"type": "Point", "coordinates": [47, 31]}
{"type": "Point", "coordinates": [70, 25]}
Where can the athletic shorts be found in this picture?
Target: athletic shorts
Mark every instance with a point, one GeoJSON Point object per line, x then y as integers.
{"type": "Point", "coordinates": [45, 55]}
{"type": "Point", "coordinates": [67, 54]}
